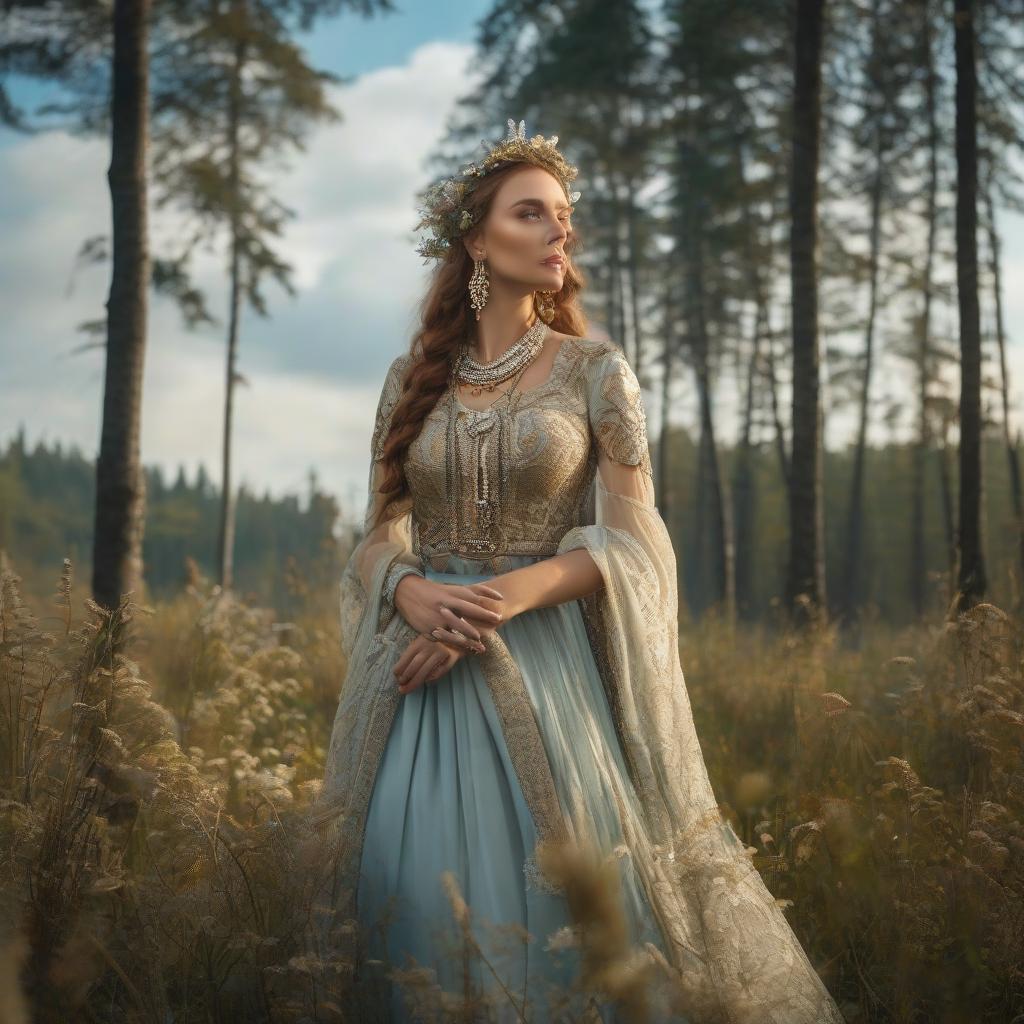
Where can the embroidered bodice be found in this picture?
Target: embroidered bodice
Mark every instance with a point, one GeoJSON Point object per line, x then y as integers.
{"type": "Point", "coordinates": [518, 474]}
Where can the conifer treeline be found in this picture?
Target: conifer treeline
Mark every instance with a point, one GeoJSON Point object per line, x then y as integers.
{"type": "Point", "coordinates": [287, 549]}
{"type": "Point", "coordinates": [792, 215]}
{"type": "Point", "coordinates": [689, 122]}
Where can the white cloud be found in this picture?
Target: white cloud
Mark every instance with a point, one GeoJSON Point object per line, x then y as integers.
{"type": "Point", "coordinates": [314, 368]}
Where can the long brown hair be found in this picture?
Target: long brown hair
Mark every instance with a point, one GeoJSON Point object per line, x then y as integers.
{"type": "Point", "coordinates": [446, 319]}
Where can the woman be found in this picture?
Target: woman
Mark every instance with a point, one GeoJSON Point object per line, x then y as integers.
{"type": "Point", "coordinates": [510, 622]}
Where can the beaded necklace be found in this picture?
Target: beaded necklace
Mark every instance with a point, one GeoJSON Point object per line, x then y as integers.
{"type": "Point", "coordinates": [486, 376]}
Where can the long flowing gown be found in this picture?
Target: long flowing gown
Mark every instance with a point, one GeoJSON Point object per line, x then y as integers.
{"type": "Point", "coordinates": [574, 725]}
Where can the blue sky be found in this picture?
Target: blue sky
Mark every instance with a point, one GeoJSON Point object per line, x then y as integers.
{"type": "Point", "coordinates": [353, 46]}
{"type": "Point", "coordinates": [314, 368]}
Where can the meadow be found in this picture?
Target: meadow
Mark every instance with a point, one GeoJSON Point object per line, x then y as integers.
{"type": "Point", "coordinates": [156, 763]}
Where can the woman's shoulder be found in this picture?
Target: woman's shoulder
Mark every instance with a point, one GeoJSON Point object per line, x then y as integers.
{"type": "Point", "coordinates": [395, 375]}
{"type": "Point", "coordinates": [597, 357]}
{"type": "Point", "coordinates": [601, 363]}
{"type": "Point", "coordinates": [592, 348]}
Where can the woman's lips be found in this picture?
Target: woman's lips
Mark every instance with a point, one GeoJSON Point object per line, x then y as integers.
{"type": "Point", "coordinates": [553, 261]}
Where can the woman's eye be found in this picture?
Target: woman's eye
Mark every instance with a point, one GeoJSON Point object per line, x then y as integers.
{"type": "Point", "coordinates": [534, 213]}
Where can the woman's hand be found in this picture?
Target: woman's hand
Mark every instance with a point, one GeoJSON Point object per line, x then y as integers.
{"type": "Point", "coordinates": [425, 661]}
{"type": "Point", "coordinates": [459, 615]}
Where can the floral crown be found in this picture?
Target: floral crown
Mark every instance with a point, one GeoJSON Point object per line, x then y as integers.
{"type": "Point", "coordinates": [441, 209]}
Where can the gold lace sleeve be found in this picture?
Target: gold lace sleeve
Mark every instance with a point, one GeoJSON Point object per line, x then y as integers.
{"type": "Point", "coordinates": [619, 425]}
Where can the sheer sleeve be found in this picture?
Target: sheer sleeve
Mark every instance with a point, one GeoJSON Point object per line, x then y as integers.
{"type": "Point", "coordinates": [383, 544]}
{"type": "Point", "coordinates": [624, 483]}
{"type": "Point", "coordinates": [732, 953]}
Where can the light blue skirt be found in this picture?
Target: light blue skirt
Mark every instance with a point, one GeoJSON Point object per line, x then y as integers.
{"type": "Point", "coordinates": [446, 798]}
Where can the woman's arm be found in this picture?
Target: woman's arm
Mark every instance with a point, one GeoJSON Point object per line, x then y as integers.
{"type": "Point", "coordinates": [571, 574]}
{"type": "Point", "coordinates": [549, 581]}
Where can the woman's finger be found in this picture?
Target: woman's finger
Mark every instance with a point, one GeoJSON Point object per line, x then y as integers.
{"type": "Point", "coordinates": [459, 624]}
{"type": "Point", "coordinates": [436, 668]}
{"type": "Point", "coordinates": [480, 595]}
{"type": "Point", "coordinates": [422, 671]}
{"type": "Point", "coordinates": [464, 642]}
{"type": "Point", "coordinates": [415, 661]}
{"type": "Point", "coordinates": [438, 672]}
{"type": "Point", "coordinates": [403, 660]}
{"type": "Point", "coordinates": [475, 609]}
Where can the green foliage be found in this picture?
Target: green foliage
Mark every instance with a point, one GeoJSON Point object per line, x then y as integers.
{"type": "Point", "coordinates": [283, 553]}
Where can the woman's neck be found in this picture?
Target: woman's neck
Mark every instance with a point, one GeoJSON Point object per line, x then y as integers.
{"type": "Point", "coordinates": [503, 321]}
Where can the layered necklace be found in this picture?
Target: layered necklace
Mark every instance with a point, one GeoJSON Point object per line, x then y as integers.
{"type": "Point", "coordinates": [487, 376]}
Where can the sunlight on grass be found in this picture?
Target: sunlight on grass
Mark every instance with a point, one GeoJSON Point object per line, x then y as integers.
{"type": "Point", "coordinates": [156, 765]}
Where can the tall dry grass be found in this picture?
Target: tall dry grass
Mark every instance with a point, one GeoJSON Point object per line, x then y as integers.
{"type": "Point", "coordinates": [155, 766]}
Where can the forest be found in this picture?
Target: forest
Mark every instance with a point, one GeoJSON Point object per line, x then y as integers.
{"type": "Point", "coordinates": [794, 227]}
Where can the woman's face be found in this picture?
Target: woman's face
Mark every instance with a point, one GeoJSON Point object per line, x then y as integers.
{"type": "Point", "coordinates": [526, 225]}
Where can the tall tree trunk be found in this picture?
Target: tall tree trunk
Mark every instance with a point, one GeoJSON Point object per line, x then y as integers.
{"type": "Point", "coordinates": [851, 597]}
{"type": "Point", "coordinates": [605, 277]}
{"type": "Point", "coordinates": [770, 368]}
{"type": "Point", "coordinates": [633, 250]}
{"type": "Point", "coordinates": [120, 484]}
{"type": "Point", "coordinates": [663, 491]}
{"type": "Point", "coordinates": [226, 537]}
{"type": "Point", "coordinates": [778, 427]}
{"type": "Point", "coordinates": [918, 568]}
{"type": "Point", "coordinates": [1013, 462]}
{"type": "Point", "coordinates": [617, 321]}
{"type": "Point", "coordinates": [744, 488]}
{"type": "Point", "coordinates": [607, 269]}
{"type": "Point", "coordinates": [716, 554]}
{"type": "Point", "coordinates": [806, 569]}
{"type": "Point", "coordinates": [971, 581]}
{"type": "Point", "coordinates": [948, 513]}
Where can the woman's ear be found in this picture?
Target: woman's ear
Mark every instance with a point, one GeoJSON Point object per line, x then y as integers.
{"type": "Point", "coordinates": [471, 241]}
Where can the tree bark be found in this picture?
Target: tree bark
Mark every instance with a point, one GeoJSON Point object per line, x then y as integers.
{"type": "Point", "coordinates": [918, 568]}
{"type": "Point", "coordinates": [226, 534]}
{"type": "Point", "coordinates": [971, 581]}
{"type": "Point", "coordinates": [664, 492]}
{"type": "Point", "coordinates": [744, 488]}
{"type": "Point", "coordinates": [805, 580]}
{"type": "Point", "coordinates": [852, 594]}
{"type": "Point", "coordinates": [120, 484]}
{"type": "Point", "coordinates": [1012, 457]}
{"type": "Point", "coordinates": [714, 555]}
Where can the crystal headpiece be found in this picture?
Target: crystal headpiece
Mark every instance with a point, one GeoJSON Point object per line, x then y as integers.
{"type": "Point", "coordinates": [442, 209]}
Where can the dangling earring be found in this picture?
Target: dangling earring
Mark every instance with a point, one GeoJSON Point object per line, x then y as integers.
{"type": "Point", "coordinates": [544, 303]}
{"type": "Point", "coordinates": [478, 287]}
